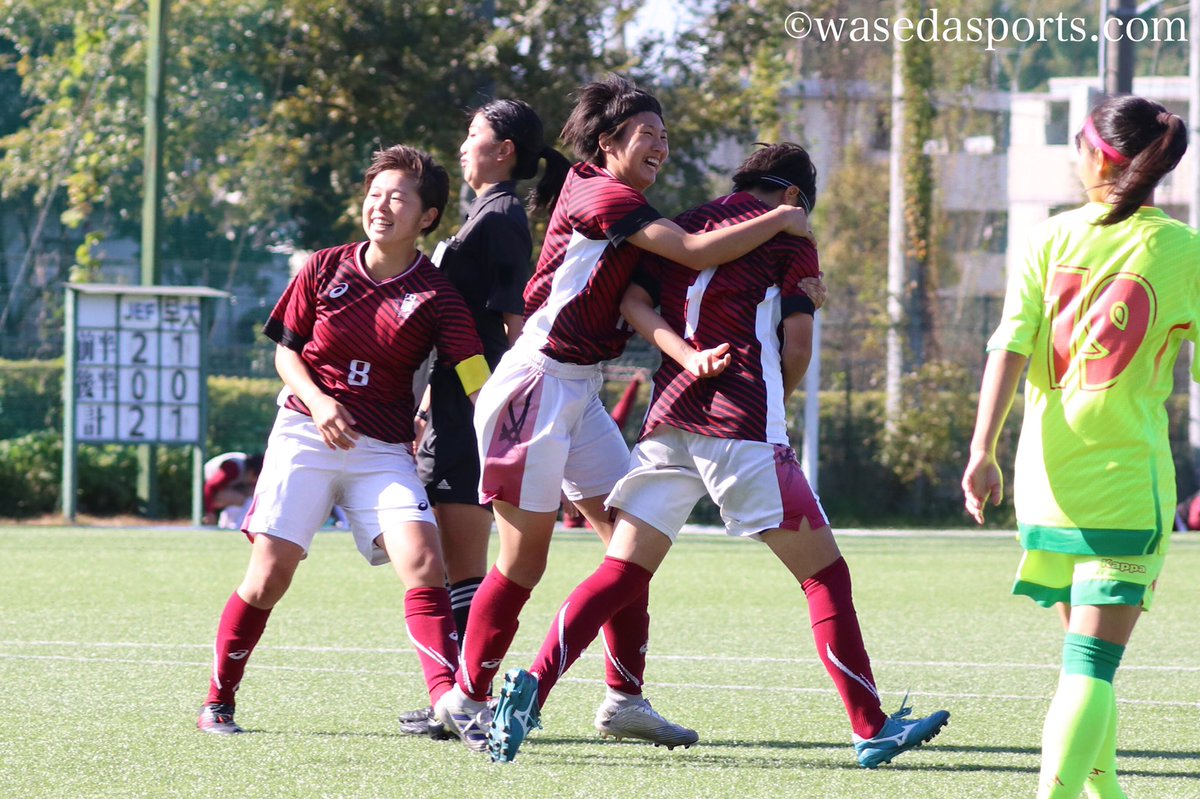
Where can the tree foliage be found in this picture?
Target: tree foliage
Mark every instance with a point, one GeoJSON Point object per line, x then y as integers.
{"type": "Point", "coordinates": [273, 108]}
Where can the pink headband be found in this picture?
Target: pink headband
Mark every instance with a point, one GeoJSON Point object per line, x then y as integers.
{"type": "Point", "coordinates": [1089, 133]}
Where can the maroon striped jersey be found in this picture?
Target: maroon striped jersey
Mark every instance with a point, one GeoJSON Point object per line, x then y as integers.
{"type": "Point", "coordinates": [743, 303]}
{"type": "Point", "coordinates": [573, 300]}
{"type": "Point", "coordinates": [363, 340]}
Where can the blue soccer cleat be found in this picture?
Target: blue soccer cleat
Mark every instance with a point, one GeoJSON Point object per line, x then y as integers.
{"type": "Point", "coordinates": [898, 735]}
{"type": "Point", "coordinates": [516, 714]}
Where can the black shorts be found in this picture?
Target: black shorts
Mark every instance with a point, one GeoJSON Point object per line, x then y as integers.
{"type": "Point", "coordinates": [447, 460]}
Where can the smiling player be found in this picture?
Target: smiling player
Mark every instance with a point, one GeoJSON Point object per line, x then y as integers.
{"type": "Point", "coordinates": [351, 329]}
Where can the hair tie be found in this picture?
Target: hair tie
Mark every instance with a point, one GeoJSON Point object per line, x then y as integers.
{"type": "Point", "coordinates": [787, 184]}
{"type": "Point", "coordinates": [1093, 137]}
{"type": "Point", "coordinates": [1164, 118]}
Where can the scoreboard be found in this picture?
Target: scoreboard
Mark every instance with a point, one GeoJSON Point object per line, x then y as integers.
{"type": "Point", "coordinates": [136, 364]}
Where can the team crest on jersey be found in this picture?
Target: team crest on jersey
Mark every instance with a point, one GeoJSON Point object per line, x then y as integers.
{"type": "Point", "coordinates": [405, 306]}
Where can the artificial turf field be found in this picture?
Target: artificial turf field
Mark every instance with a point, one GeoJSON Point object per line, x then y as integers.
{"type": "Point", "coordinates": [105, 637]}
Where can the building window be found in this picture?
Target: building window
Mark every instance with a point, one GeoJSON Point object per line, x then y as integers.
{"type": "Point", "coordinates": [881, 131]}
{"type": "Point", "coordinates": [976, 231]}
{"type": "Point", "coordinates": [1058, 126]}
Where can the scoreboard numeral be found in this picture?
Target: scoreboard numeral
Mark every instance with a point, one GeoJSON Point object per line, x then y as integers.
{"type": "Point", "coordinates": [140, 355]}
{"type": "Point", "coordinates": [136, 431]}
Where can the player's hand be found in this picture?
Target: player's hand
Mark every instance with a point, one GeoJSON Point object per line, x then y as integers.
{"type": "Point", "coordinates": [816, 289]}
{"type": "Point", "coordinates": [982, 481]}
{"type": "Point", "coordinates": [709, 363]}
{"type": "Point", "coordinates": [334, 422]}
{"type": "Point", "coordinates": [797, 223]}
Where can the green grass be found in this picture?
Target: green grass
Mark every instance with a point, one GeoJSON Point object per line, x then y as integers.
{"type": "Point", "coordinates": [105, 637]}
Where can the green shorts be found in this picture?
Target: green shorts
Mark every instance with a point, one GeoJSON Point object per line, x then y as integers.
{"type": "Point", "coordinates": [1052, 577]}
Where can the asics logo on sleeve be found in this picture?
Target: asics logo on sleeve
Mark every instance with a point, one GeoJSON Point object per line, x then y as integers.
{"type": "Point", "coordinates": [338, 290]}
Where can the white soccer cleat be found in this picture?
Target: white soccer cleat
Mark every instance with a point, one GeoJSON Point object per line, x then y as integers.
{"type": "Point", "coordinates": [465, 717]}
{"type": "Point", "coordinates": [635, 718]}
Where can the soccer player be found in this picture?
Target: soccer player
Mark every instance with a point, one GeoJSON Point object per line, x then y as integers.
{"type": "Point", "coordinates": [540, 422]}
{"type": "Point", "coordinates": [229, 480]}
{"type": "Point", "coordinates": [351, 329]}
{"type": "Point", "coordinates": [739, 339]}
{"type": "Point", "coordinates": [487, 260]}
{"type": "Point", "coordinates": [1098, 309]}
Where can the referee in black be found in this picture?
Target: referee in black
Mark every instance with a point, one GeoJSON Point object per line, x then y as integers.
{"type": "Point", "coordinates": [487, 260]}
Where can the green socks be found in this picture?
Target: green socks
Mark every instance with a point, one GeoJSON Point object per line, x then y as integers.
{"type": "Point", "coordinates": [1079, 736]}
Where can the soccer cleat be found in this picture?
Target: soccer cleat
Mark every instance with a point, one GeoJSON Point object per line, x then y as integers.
{"type": "Point", "coordinates": [516, 714]}
{"type": "Point", "coordinates": [218, 720]}
{"type": "Point", "coordinates": [423, 722]}
{"type": "Point", "coordinates": [464, 717]}
{"type": "Point", "coordinates": [635, 718]}
{"type": "Point", "coordinates": [898, 735]}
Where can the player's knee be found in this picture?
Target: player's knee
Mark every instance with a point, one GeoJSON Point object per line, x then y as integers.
{"type": "Point", "coordinates": [265, 589]}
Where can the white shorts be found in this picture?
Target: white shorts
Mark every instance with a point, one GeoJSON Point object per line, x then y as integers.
{"type": "Point", "coordinates": [543, 429]}
{"type": "Point", "coordinates": [757, 486]}
{"type": "Point", "coordinates": [375, 483]}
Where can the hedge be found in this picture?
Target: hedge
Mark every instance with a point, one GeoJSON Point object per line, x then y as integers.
{"type": "Point", "coordinates": [866, 477]}
{"type": "Point", "coordinates": [240, 413]}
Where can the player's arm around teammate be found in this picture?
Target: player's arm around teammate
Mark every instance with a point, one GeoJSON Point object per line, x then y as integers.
{"type": "Point", "coordinates": [351, 328]}
{"type": "Point", "coordinates": [1098, 310]}
{"type": "Point", "coordinates": [540, 422]}
{"type": "Point", "coordinates": [717, 426]}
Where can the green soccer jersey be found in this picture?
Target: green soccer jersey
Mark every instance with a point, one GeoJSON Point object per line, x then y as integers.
{"type": "Point", "coordinates": [1101, 312]}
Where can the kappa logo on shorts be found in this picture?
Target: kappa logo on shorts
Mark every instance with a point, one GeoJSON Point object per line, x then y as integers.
{"type": "Point", "coordinates": [1123, 567]}
{"type": "Point", "coordinates": [338, 290]}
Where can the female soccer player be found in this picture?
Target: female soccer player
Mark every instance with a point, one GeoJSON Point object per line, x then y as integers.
{"type": "Point", "coordinates": [718, 425]}
{"type": "Point", "coordinates": [487, 260]}
{"type": "Point", "coordinates": [540, 422]}
{"type": "Point", "coordinates": [1104, 298]}
{"type": "Point", "coordinates": [351, 329]}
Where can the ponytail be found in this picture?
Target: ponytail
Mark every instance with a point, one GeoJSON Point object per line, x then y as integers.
{"type": "Point", "coordinates": [1150, 137]}
{"type": "Point", "coordinates": [516, 121]}
{"type": "Point", "coordinates": [544, 195]}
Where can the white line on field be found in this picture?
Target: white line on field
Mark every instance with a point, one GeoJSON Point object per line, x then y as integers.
{"type": "Point", "coordinates": [683, 686]}
{"type": "Point", "coordinates": [351, 650]}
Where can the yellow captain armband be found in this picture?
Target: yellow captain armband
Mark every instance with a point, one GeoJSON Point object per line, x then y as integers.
{"type": "Point", "coordinates": [473, 373]}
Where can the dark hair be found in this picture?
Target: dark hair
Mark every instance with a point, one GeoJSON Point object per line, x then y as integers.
{"type": "Point", "coordinates": [1150, 136]}
{"type": "Point", "coordinates": [516, 121]}
{"type": "Point", "coordinates": [254, 462]}
{"type": "Point", "coordinates": [433, 184]}
{"type": "Point", "coordinates": [776, 164]}
{"type": "Point", "coordinates": [602, 107]}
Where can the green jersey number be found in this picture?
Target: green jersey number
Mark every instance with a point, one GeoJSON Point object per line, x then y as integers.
{"type": "Point", "coordinates": [1100, 330]}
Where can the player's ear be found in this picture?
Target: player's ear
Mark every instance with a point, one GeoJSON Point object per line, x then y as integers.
{"type": "Point", "coordinates": [428, 217]}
